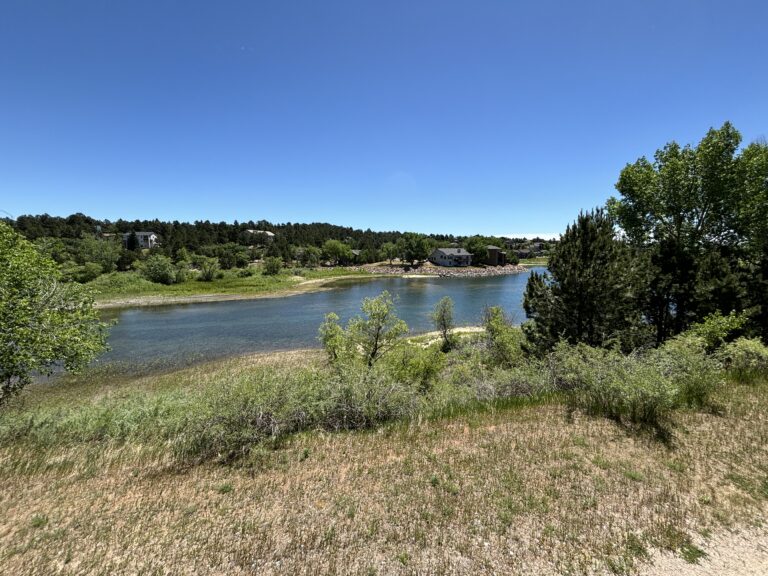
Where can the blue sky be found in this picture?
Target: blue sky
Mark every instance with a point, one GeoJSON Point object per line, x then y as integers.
{"type": "Point", "coordinates": [481, 116]}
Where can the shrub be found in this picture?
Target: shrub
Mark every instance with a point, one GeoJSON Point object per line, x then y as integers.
{"type": "Point", "coordinates": [607, 383]}
{"type": "Point", "coordinates": [272, 265]}
{"type": "Point", "coordinates": [245, 272]}
{"type": "Point", "coordinates": [746, 359]}
{"type": "Point", "coordinates": [367, 337]}
{"type": "Point", "coordinates": [73, 272]}
{"type": "Point", "coordinates": [716, 328]}
{"type": "Point", "coordinates": [415, 365]}
{"type": "Point", "coordinates": [209, 267]}
{"type": "Point", "coordinates": [685, 362]}
{"type": "Point", "coordinates": [504, 341]}
{"type": "Point", "coordinates": [442, 318]}
{"type": "Point", "coordinates": [159, 269]}
{"type": "Point", "coordinates": [182, 272]}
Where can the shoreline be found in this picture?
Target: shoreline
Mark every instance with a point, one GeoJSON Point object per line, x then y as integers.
{"type": "Point", "coordinates": [313, 285]}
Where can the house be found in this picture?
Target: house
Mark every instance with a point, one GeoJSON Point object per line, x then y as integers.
{"type": "Point", "coordinates": [496, 256]}
{"type": "Point", "coordinates": [266, 235]}
{"type": "Point", "coordinates": [450, 257]}
{"type": "Point", "coordinates": [144, 239]}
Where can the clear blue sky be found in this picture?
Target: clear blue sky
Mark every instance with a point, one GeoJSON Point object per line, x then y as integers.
{"type": "Point", "coordinates": [436, 116]}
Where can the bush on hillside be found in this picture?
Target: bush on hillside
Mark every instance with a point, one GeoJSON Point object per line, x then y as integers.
{"type": "Point", "coordinates": [272, 266]}
{"type": "Point", "coordinates": [504, 341]}
{"type": "Point", "coordinates": [746, 359]}
{"type": "Point", "coordinates": [159, 269]}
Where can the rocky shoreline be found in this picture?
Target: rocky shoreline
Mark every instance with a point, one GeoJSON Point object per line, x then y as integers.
{"type": "Point", "coordinates": [442, 271]}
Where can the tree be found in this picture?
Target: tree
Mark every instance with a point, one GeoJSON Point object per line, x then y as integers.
{"type": "Point", "coordinates": [336, 251]}
{"type": "Point", "coordinates": [43, 323]}
{"type": "Point", "coordinates": [310, 256]}
{"type": "Point", "coordinates": [370, 336]}
{"type": "Point", "coordinates": [477, 246]}
{"type": "Point", "coordinates": [683, 212]}
{"type": "Point", "coordinates": [414, 247]}
{"type": "Point", "coordinates": [442, 318]}
{"type": "Point", "coordinates": [389, 250]}
{"type": "Point", "coordinates": [591, 292]}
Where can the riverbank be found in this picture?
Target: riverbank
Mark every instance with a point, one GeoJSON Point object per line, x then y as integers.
{"type": "Point", "coordinates": [128, 289]}
{"type": "Point", "coordinates": [296, 285]}
{"type": "Point", "coordinates": [514, 487]}
{"type": "Point", "coordinates": [428, 269]}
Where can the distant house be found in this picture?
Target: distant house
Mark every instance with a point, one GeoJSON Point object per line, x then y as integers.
{"type": "Point", "coordinates": [450, 257]}
{"type": "Point", "coordinates": [144, 239]}
{"type": "Point", "coordinates": [265, 235]}
{"type": "Point", "coordinates": [496, 256]}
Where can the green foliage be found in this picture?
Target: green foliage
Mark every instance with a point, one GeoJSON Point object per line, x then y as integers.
{"type": "Point", "coordinates": [716, 328]}
{"type": "Point", "coordinates": [159, 269]}
{"type": "Point", "coordinates": [42, 322]}
{"type": "Point", "coordinates": [504, 340]}
{"type": "Point", "coordinates": [310, 256]}
{"type": "Point", "coordinates": [746, 359]}
{"type": "Point", "coordinates": [209, 267]}
{"type": "Point", "coordinates": [336, 251]}
{"type": "Point", "coordinates": [72, 272]}
{"type": "Point", "coordinates": [698, 215]}
{"type": "Point", "coordinates": [272, 265]}
{"type": "Point", "coordinates": [415, 365]}
{"type": "Point", "coordinates": [367, 337]}
{"type": "Point", "coordinates": [389, 251]}
{"type": "Point", "coordinates": [442, 319]}
{"type": "Point", "coordinates": [591, 292]}
{"type": "Point", "coordinates": [693, 373]}
{"type": "Point", "coordinates": [607, 383]}
{"type": "Point", "coordinates": [414, 248]}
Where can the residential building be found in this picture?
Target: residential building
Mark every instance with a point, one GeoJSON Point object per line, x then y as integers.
{"type": "Point", "coordinates": [450, 257]}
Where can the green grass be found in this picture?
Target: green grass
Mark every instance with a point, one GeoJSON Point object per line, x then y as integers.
{"type": "Point", "coordinates": [118, 285]}
{"type": "Point", "coordinates": [541, 261]}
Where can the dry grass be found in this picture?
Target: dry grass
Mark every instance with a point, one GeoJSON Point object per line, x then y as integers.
{"type": "Point", "coordinates": [516, 490]}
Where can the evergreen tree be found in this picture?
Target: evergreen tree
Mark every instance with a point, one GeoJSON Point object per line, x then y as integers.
{"type": "Point", "coordinates": [590, 292]}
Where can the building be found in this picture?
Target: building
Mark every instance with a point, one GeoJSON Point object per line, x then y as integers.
{"type": "Point", "coordinates": [144, 239]}
{"type": "Point", "coordinates": [450, 257]}
{"type": "Point", "coordinates": [496, 256]}
{"type": "Point", "coordinates": [265, 235]}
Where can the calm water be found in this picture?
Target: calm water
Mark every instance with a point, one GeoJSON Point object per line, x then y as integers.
{"type": "Point", "coordinates": [181, 334]}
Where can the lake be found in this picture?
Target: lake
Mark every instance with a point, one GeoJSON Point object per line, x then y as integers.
{"type": "Point", "coordinates": [186, 333]}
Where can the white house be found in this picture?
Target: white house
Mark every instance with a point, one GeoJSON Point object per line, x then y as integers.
{"type": "Point", "coordinates": [144, 239]}
{"type": "Point", "coordinates": [450, 257]}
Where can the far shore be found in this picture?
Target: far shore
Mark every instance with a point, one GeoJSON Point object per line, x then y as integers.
{"type": "Point", "coordinates": [369, 271]}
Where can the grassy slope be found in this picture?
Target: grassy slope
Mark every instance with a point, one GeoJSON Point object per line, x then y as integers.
{"type": "Point", "coordinates": [517, 489]}
{"type": "Point", "coordinates": [131, 284]}
{"type": "Point", "coordinates": [542, 261]}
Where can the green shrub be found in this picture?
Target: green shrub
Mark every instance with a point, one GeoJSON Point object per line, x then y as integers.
{"type": "Point", "coordinates": [272, 265]}
{"type": "Point", "coordinates": [80, 273]}
{"type": "Point", "coordinates": [607, 383]}
{"type": "Point", "coordinates": [415, 365]}
{"type": "Point", "coordinates": [209, 267]}
{"type": "Point", "coordinates": [159, 269]}
{"type": "Point", "coordinates": [245, 273]}
{"type": "Point", "coordinates": [716, 328]}
{"type": "Point", "coordinates": [504, 341]}
{"type": "Point", "coordinates": [685, 362]}
{"type": "Point", "coordinates": [746, 359]}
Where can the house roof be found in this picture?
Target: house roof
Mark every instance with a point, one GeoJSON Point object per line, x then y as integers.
{"type": "Point", "coordinates": [267, 232]}
{"type": "Point", "coordinates": [491, 247]}
{"type": "Point", "coordinates": [453, 251]}
{"type": "Point", "coordinates": [140, 233]}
